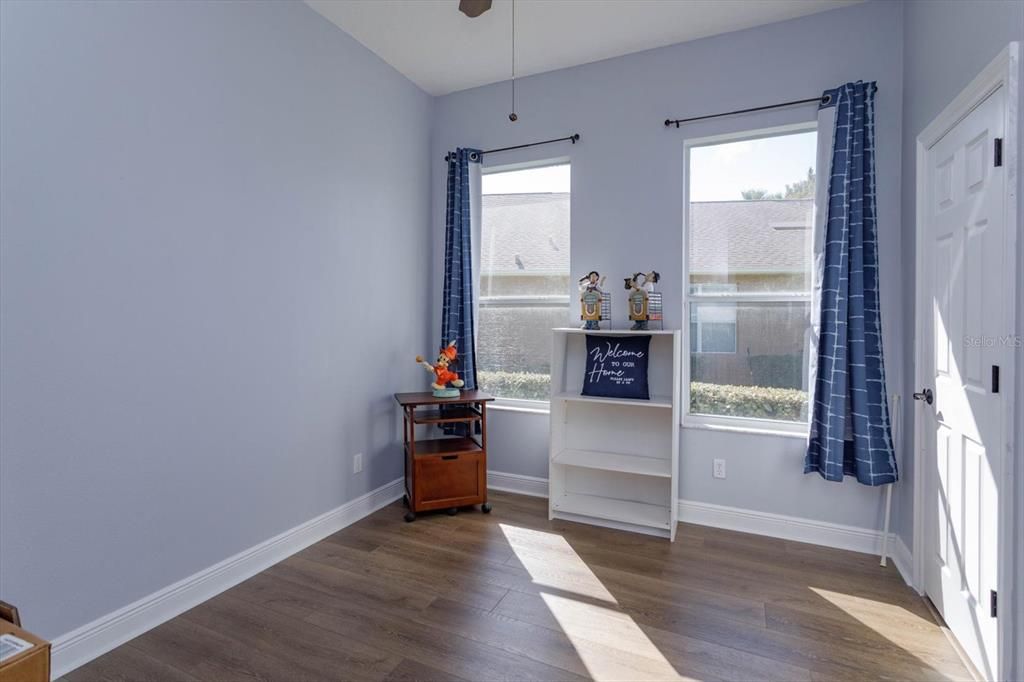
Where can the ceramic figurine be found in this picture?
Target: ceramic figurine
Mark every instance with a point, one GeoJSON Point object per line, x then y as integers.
{"type": "Point", "coordinates": [639, 286]}
{"type": "Point", "coordinates": [590, 299]}
{"type": "Point", "coordinates": [442, 375]}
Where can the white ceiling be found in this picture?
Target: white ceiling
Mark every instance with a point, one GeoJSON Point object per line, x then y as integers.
{"type": "Point", "coordinates": [442, 50]}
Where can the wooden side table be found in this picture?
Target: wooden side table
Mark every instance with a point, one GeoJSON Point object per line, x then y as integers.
{"type": "Point", "coordinates": [444, 473]}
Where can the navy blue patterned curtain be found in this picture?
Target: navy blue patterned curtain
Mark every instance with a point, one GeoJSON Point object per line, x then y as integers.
{"type": "Point", "coordinates": [850, 430]}
{"type": "Point", "coordinates": [457, 321]}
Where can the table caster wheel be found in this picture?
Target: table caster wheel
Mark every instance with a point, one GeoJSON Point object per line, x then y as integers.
{"type": "Point", "coordinates": [451, 511]}
{"type": "Point", "coordinates": [409, 517]}
{"type": "Point", "coordinates": [485, 507]}
{"type": "Point", "coordinates": [405, 501]}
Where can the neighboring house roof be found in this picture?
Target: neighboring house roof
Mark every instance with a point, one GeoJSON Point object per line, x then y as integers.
{"type": "Point", "coordinates": [750, 236]}
{"type": "Point", "coordinates": [534, 231]}
{"type": "Point", "coordinates": [726, 236]}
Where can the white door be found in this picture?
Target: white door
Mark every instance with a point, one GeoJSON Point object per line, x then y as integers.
{"type": "Point", "coordinates": [964, 231]}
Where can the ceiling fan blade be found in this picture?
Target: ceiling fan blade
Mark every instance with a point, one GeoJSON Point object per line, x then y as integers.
{"type": "Point", "coordinates": [474, 8]}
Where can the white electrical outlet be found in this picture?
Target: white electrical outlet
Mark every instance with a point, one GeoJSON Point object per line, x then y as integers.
{"type": "Point", "coordinates": [357, 463]}
{"type": "Point", "coordinates": [718, 471]}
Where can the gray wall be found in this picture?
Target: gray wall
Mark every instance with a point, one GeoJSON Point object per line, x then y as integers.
{"type": "Point", "coordinates": [946, 44]}
{"type": "Point", "coordinates": [201, 202]}
{"type": "Point", "coordinates": [626, 194]}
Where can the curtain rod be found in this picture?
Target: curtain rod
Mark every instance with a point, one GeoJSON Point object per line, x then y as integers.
{"type": "Point", "coordinates": [574, 138]}
{"type": "Point", "coordinates": [823, 99]}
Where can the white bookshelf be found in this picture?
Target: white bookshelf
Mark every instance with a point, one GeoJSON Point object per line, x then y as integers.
{"type": "Point", "coordinates": [614, 462]}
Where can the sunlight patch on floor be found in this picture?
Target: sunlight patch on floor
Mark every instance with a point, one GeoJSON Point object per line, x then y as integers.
{"type": "Point", "coordinates": [890, 621]}
{"type": "Point", "coordinates": [551, 562]}
{"type": "Point", "coordinates": [609, 643]}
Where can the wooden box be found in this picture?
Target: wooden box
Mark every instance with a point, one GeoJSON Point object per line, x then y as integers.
{"type": "Point", "coordinates": [455, 479]}
{"type": "Point", "coordinates": [31, 665]}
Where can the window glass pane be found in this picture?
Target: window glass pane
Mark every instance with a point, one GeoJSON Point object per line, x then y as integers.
{"type": "Point", "coordinates": [718, 337]}
{"type": "Point", "coordinates": [750, 214]}
{"type": "Point", "coordinates": [525, 233]}
{"type": "Point", "coordinates": [514, 350]}
{"type": "Point", "coordinates": [713, 328]}
{"type": "Point", "coordinates": [524, 278]}
{"type": "Point", "coordinates": [753, 367]}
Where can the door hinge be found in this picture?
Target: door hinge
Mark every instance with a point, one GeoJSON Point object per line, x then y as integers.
{"type": "Point", "coordinates": [995, 378]}
{"type": "Point", "coordinates": [997, 153]}
{"type": "Point", "coordinates": [993, 600]}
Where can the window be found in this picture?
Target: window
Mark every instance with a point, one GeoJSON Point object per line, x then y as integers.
{"type": "Point", "coordinates": [524, 278]}
{"type": "Point", "coordinates": [748, 259]}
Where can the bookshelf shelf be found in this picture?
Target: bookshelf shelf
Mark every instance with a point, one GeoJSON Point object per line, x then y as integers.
{"type": "Point", "coordinates": [655, 401]}
{"type": "Point", "coordinates": [609, 461]}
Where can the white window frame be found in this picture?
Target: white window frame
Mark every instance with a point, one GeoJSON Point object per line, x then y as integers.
{"type": "Point", "coordinates": [540, 301]}
{"type": "Point", "coordinates": [719, 422]}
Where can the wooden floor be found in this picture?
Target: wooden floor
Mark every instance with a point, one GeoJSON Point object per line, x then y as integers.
{"type": "Point", "coordinates": [511, 595]}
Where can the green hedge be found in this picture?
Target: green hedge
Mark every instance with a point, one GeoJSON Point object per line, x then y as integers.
{"type": "Point", "coordinates": [521, 385]}
{"type": "Point", "coordinates": [759, 402]}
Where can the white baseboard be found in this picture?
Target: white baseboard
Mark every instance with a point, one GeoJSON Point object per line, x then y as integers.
{"type": "Point", "coordinates": [517, 483]}
{"type": "Point", "coordinates": [903, 560]}
{"type": "Point", "coordinates": [83, 644]}
{"type": "Point", "coordinates": [794, 528]}
{"type": "Point", "coordinates": [836, 535]}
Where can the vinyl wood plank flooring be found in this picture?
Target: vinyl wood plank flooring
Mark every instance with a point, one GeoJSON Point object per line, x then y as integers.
{"type": "Point", "coordinates": [427, 578]}
{"type": "Point", "coordinates": [512, 595]}
{"type": "Point", "coordinates": [411, 671]}
{"type": "Point", "coordinates": [311, 653]}
{"type": "Point", "coordinates": [127, 664]}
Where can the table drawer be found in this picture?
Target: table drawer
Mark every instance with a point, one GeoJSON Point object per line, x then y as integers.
{"type": "Point", "coordinates": [450, 480]}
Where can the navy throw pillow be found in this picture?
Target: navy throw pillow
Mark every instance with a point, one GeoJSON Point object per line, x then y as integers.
{"type": "Point", "coordinates": [617, 367]}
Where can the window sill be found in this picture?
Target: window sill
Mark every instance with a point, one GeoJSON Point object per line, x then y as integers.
{"type": "Point", "coordinates": [746, 428]}
{"type": "Point", "coordinates": [524, 407]}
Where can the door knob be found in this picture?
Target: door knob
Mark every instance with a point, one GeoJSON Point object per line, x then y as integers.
{"type": "Point", "coordinates": [925, 395]}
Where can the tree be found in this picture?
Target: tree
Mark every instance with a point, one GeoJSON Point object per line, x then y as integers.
{"type": "Point", "coordinates": [801, 189]}
{"type": "Point", "coordinates": [758, 195]}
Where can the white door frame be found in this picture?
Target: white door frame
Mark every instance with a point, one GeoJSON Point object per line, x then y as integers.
{"type": "Point", "coordinates": [1003, 72]}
